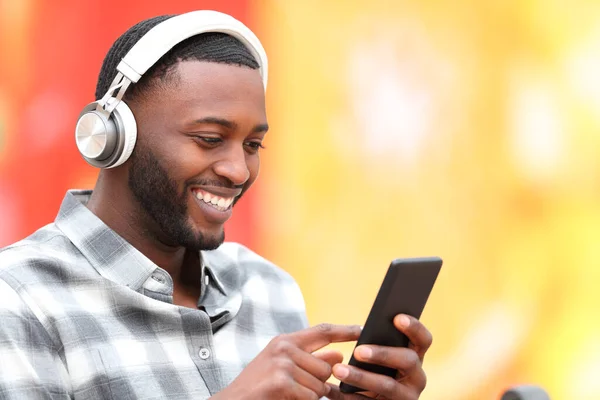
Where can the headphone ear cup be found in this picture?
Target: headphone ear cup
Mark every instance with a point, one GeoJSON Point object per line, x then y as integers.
{"type": "Point", "coordinates": [106, 141]}
{"type": "Point", "coordinates": [126, 130]}
{"type": "Point", "coordinates": [95, 135]}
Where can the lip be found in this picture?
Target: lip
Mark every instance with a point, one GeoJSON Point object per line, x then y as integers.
{"type": "Point", "coordinates": [217, 191]}
{"type": "Point", "coordinates": [211, 214]}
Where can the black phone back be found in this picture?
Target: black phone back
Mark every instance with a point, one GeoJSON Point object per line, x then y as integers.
{"type": "Point", "coordinates": [405, 290]}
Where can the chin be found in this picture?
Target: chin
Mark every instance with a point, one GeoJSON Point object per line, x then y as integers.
{"type": "Point", "coordinates": [211, 239]}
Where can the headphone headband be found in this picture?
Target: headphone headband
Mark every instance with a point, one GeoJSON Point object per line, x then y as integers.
{"type": "Point", "coordinates": [164, 36]}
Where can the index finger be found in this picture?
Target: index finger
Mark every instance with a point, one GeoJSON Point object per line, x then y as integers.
{"type": "Point", "coordinates": [321, 335]}
{"type": "Point", "coordinates": [420, 338]}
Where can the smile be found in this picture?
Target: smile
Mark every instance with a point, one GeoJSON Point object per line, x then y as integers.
{"type": "Point", "coordinates": [217, 202]}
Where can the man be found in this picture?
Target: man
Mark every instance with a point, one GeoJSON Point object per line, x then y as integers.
{"type": "Point", "coordinates": [132, 294]}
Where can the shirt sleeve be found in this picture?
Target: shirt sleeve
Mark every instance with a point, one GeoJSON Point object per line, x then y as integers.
{"type": "Point", "coordinates": [30, 365]}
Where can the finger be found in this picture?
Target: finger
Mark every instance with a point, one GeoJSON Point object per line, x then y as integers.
{"type": "Point", "coordinates": [321, 335]}
{"type": "Point", "coordinates": [419, 336]}
{"type": "Point", "coordinates": [310, 382]}
{"type": "Point", "coordinates": [418, 379]}
{"type": "Point", "coordinates": [315, 366]}
{"type": "Point", "coordinates": [336, 394]}
{"type": "Point", "coordinates": [376, 383]}
{"type": "Point", "coordinates": [398, 358]}
{"type": "Point", "coordinates": [331, 357]}
{"type": "Point", "coordinates": [308, 362]}
{"type": "Point", "coordinates": [301, 392]}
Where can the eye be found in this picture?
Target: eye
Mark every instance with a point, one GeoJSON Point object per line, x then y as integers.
{"type": "Point", "coordinates": [254, 146]}
{"type": "Point", "coordinates": [208, 141]}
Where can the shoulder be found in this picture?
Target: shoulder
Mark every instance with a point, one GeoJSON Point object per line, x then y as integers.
{"type": "Point", "coordinates": [36, 257]}
{"type": "Point", "coordinates": [29, 270]}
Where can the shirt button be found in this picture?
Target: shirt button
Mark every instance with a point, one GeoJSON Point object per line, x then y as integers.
{"type": "Point", "coordinates": [204, 353]}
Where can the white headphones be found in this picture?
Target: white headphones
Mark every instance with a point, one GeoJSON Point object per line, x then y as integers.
{"type": "Point", "coordinates": [106, 130]}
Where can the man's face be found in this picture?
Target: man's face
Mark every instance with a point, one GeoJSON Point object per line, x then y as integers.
{"type": "Point", "coordinates": [197, 151]}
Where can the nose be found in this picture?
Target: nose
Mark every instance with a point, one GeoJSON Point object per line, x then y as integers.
{"type": "Point", "coordinates": [233, 166]}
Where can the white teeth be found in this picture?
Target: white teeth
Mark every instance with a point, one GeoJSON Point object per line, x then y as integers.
{"type": "Point", "coordinates": [216, 201]}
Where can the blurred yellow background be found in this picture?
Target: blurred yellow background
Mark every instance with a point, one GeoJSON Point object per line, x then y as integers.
{"type": "Point", "coordinates": [464, 129]}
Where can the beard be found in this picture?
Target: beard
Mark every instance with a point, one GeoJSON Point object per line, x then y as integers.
{"type": "Point", "coordinates": [157, 193]}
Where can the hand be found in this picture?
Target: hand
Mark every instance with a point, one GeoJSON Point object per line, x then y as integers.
{"type": "Point", "coordinates": [411, 379]}
{"type": "Point", "coordinates": [287, 369]}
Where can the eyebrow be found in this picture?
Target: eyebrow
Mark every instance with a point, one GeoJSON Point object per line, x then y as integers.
{"type": "Point", "coordinates": [229, 124]}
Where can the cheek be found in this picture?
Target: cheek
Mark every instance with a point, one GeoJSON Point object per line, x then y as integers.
{"type": "Point", "coordinates": [187, 162]}
{"type": "Point", "coordinates": [253, 163]}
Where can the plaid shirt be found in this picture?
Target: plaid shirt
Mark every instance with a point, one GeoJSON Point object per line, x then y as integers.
{"type": "Point", "coordinates": [84, 315]}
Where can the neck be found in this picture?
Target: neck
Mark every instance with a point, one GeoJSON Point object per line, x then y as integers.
{"type": "Point", "coordinates": [115, 205]}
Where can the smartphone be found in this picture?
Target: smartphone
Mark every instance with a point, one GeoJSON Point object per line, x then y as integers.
{"type": "Point", "coordinates": [405, 289]}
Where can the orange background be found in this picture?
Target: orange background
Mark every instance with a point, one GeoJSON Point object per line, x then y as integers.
{"type": "Point", "coordinates": [465, 129]}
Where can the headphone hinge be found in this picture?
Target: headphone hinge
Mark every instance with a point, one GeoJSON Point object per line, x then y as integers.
{"type": "Point", "coordinates": [106, 106]}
